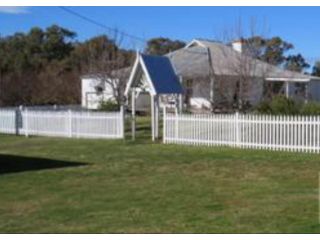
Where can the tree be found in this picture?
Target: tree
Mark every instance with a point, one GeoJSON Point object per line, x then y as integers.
{"type": "Point", "coordinates": [243, 66]}
{"type": "Point", "coordinates": [275, 51]}
{"type": "Point", "coordinates": [316, 69]}
{"type": "Point", "coordinates": [241, 83]}
{"type": "Point", "coordinates": [296, 63]}
{"type": "Point", "coordinates": [27, 59]}
{"type": "Point", "coordinates": [103, 58]}
{"type": "Point", "coordinates": [43, 66]}
{"type": "Point", "coordinates": [270, 50]}
{"type": "Point", "coordinates": [57, 43]}
{"type": "Point", "coordinates": [162, 46]}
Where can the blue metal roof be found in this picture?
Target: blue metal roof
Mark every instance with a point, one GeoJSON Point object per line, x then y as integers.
{"type": "Point", "coordinates": [162, 74]}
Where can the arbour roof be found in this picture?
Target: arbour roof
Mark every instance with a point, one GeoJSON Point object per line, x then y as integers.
{"type": "Point", "coordinates": [159, 74]}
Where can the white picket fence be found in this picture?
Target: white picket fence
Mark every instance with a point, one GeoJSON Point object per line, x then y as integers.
{"type": "Point", "coordinates": [291, 133]}
{"type": "Point", "coordinates": [8, 121]}
{"type": "Point", "coordinates": [63, 123]}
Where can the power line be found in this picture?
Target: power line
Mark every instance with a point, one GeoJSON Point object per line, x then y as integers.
{"type": "Point", "coordinates": [92, 21]}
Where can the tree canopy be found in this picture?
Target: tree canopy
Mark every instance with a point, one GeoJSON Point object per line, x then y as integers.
{"type": "Point", "coordinates": [296, 63]}
{"type": "Point", "coordinates": [275, 51]}
{"type": "Point", "coordinates": [162, 46]}
{"type": "Point", "coordinates": [271, 50]}
{"type": "Point", "coordinates": [316, 69]}
{"type": "Point", "coordinates": [43, 66]}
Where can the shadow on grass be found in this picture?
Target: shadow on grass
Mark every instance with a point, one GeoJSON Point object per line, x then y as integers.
{"type": "Point", "coordinates": [13, 164]}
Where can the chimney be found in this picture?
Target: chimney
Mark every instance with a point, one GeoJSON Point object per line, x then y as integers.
{"type": "Point", "coordinates": [238, 45]}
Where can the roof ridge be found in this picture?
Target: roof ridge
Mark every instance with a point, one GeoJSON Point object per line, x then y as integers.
{"type": "Point", "coordinates": [207, 40]}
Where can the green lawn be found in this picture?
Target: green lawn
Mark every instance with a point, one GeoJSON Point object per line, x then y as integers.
{"type": "Point", "coordinates": [57, 185]}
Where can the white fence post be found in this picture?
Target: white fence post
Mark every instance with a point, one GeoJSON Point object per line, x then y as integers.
{"type": "Point", "coordinates": [237, 122]}
{"type": "Point", "coordinates": [122, 121]}
{"type": "Point", "coordinates": [164, 124]}
{"type": "Point", "coordinates": [70, 122]}
{"type": "Point", "coordinates": [26, 116]}
{"type": "Point", "coordinates": [176, 123]}
{"type": "Point", "coordinates": [133, 114]}
{"type": "Point", "coordinates": [16, 121]}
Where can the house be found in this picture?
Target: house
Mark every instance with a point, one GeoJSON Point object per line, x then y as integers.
{"type": "Point", "coordinates": [212, 74]}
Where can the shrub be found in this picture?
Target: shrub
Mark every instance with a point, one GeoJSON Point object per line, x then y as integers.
{"type": "Point", "coordinates": [263, 107]}
{"type": "Point", "coordinates": [279, 105]}
{"type": "Point", "coordinates": [283, 105]}
{"type": "Point", "coordinates": [108, 106]}
{"type": "Point", "coordinates": [310, 108]}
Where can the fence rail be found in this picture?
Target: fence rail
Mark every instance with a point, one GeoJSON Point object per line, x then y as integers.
{"type": "Point", "coordinates": [292, 133]}
{"type": "Point", "coordinates": [63, 123]}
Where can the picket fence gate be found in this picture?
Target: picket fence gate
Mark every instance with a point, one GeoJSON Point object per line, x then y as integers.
{"type": "Point", "coordinates": [63, 123]}
{"type": "Point", "coordinates": [288, 133]}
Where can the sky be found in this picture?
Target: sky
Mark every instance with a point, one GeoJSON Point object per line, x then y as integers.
{"type": "Point", "coordinates": [297, 25]}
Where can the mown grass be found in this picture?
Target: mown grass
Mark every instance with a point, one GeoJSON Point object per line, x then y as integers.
{"type": "Point", "coordinates": [123, 186]}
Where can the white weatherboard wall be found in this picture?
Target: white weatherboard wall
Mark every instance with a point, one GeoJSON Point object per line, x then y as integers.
{"type": "Point", "coordinates": [109, 125]}
{"type": "Point", "coordinates": [90, 98]}
{"type": "Point", "coordinates": [290, 133]}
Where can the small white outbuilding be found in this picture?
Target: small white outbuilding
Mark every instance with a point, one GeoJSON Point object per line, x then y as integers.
{"type": "Point", "coordinates": [94, 91]}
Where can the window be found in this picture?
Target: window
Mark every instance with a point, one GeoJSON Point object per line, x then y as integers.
{"type": "Point", "coordinates": [99, 89]}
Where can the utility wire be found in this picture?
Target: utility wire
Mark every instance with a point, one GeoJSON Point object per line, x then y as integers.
{"type": "Point", "coordinates": [92, 21]}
